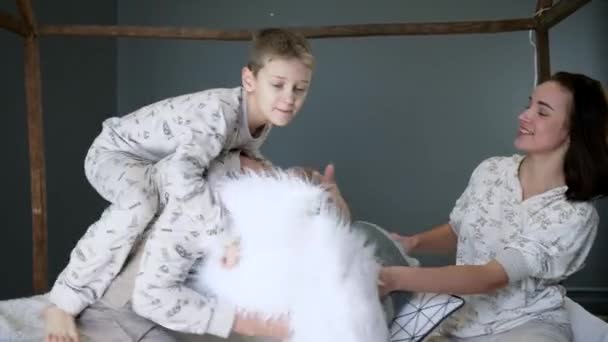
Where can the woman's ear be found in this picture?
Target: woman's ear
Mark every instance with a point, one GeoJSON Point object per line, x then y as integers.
{"type": "Point", "coordinates": [248, 79]}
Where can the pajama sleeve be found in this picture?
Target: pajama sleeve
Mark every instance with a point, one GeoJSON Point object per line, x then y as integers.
{"type": "Point", "coordinates": [189, 223]}
{"type": "Point", "coordinates": [460, 207]}
{"type": "Point", "coordinates": [554, 243]}
{"type": "Point", "coordinates": [155, 131]}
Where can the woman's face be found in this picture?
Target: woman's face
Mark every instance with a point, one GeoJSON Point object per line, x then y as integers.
{"type": "Point", "coordinates": [544, 125]}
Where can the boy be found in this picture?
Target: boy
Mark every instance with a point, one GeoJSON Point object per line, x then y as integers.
{"type": "Point", "coordinates": [185, 134]}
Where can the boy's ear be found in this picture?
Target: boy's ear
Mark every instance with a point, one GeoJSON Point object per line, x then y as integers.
{"type": "Point", "coordinates": [248, 79]}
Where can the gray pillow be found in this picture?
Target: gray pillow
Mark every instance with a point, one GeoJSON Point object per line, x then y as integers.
{"type": "Point", "coordinates": [389, 253]}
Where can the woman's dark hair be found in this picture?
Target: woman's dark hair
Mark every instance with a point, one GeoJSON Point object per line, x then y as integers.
{"type": "Point", "coordinates": [586, 161]}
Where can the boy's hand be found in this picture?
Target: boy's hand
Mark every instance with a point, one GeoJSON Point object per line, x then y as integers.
{"type": "Point", "coordinates": [251, 163]}
{"type": "Point", "coordinates": [253, 325]}
{"type": "Point", "coordinates": [59, 326]}
{"type": "Point", "coordinates": [231, 255]}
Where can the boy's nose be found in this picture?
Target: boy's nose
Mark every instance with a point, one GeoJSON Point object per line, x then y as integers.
{"type": "Point", "coordinates": [289, 98]}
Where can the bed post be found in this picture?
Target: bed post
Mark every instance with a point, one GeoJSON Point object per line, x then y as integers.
{"type": "Point", "coordinates": [547, 15]}
{"type": "Point", "coordinates": [543, 72]}
{"type": "Point", "coordinates": [13, 24]}
{"type": "Point", "coordinates": [33, 95]}
{"type": "Point", "coordinates": [560, 11]}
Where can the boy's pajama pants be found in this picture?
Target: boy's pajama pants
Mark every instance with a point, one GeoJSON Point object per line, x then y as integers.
{"type": "Point", "coordinates": [127, 182]}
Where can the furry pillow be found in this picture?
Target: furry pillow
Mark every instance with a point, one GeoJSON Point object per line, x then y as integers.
{"type": "Point", "coordinates": [297, 256]}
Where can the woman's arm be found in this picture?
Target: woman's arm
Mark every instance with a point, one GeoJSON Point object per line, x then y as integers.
{"type": "Point", "coordinates": [457, 279]}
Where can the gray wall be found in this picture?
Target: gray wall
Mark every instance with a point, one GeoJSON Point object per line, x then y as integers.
{"type": "Point", "coordinates": [405, 119]}
{"type": "Point", "coordinates": [15, 251]}
{"type": "Point", "coordinates": [79, 82]}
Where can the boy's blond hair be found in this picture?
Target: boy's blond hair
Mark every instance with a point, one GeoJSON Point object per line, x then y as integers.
{"type": "Point", "coordinates": [281, 43]}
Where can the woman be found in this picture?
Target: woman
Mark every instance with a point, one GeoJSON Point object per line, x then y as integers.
{"type": "Point", "coordinates": [524, 223]}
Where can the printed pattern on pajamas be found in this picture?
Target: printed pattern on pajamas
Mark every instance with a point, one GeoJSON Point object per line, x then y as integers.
{"type": "Point", "coordinates": [112, 317]}
{"type": "Point", "coordinates": [121, 166]}
{"type": "Point", "coordinates": [539, 242]}
{"type": "Point", "coordinates": [532, 331]}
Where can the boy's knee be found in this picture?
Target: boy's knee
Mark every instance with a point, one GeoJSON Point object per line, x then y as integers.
{"type": "Point", "coordinates": [92, 163]}
{"type": "Point", "coordinates": [137, 204]}
{"type": "Point", "coordinates": [120, 179]}
{"type": "Point", "coordinates": [138, 194]}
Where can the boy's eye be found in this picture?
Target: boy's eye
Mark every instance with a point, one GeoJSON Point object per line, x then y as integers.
{"type": "Point", "coordinates": [277, 85]}
{"type": "Point", "coordinates": [300, 90]}
{"type": "Point", "coordinates": [543, 114]}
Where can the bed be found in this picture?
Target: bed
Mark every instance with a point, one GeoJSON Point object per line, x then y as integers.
{"type": "Point", "coordinates": [20, 315]}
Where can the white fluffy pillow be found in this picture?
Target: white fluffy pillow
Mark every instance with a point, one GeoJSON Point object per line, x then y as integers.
{"type": "Point", "coordinates": [297, 257]}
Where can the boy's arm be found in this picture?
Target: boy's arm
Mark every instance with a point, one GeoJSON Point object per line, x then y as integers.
{"type": "Point", "coordinates": [157, 130]}
{"type": "Point", "coordinates": [256, 155]}
{"type": "Point", "coordinates": [160, 293]}
{"type": "Point", "coordinates": [191, 220]}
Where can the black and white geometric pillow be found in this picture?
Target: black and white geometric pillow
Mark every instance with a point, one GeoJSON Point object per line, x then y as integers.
{"type": "Point", "coordinates": [421, 314]}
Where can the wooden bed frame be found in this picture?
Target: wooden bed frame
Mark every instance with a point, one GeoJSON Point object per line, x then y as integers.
{"type": "Point", "coordinates": [546, 16]}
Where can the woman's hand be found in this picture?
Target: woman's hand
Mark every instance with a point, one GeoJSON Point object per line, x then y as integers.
{"type": "Point", "coordinates": [328, 181]}
{"type": "Point", "coordinates": [393, 278]}
{"type": "Point", "coordinates": [254, 325]}
{"type": "Point", "coordinates": [409, 243]}
{"type": "Point", "coordinates": [387, 281]}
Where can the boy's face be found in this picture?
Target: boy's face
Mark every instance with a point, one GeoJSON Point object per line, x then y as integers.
{"type": "Point", "coordinates": [277, 92]}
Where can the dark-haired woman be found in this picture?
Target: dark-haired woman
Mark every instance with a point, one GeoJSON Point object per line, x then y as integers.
{"type": "Point", "coordinates": [523, 224]}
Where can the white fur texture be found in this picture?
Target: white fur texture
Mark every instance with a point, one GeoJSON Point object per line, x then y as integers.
{"type": "Point", "coordinates": [297, 257]}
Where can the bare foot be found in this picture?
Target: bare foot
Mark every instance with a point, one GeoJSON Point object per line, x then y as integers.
{"type": "Point", "coordinates": [232, 255]}
{"type": "Point", "coordinates": [59, 325]}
